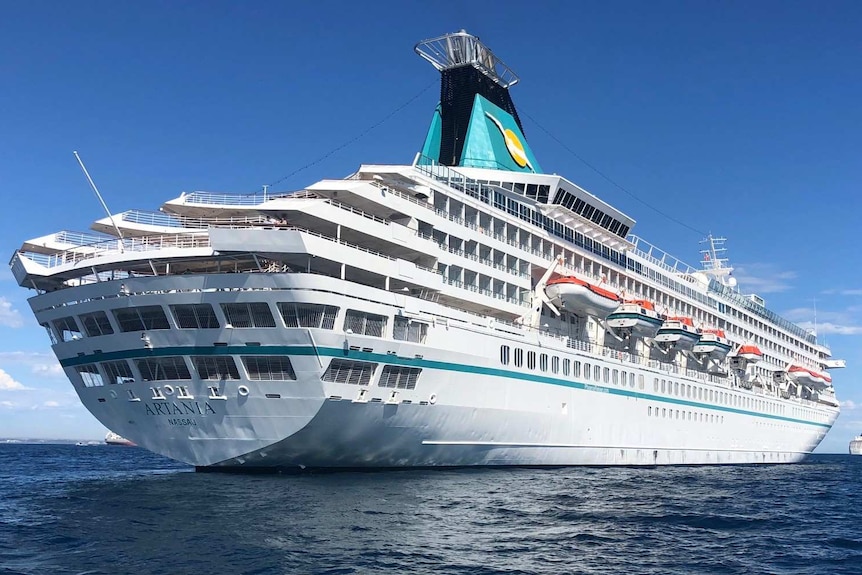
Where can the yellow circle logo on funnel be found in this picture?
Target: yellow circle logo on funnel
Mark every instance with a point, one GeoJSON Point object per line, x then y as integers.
{"type": "Point", "coordinates": [513, 144]}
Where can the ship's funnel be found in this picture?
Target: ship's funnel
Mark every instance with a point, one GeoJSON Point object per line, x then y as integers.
{"type": "Point", "coordinates": [476, 123]}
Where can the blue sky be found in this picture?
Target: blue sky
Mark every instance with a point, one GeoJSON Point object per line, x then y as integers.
{"type": "Point", "coordinates": [737, 118]}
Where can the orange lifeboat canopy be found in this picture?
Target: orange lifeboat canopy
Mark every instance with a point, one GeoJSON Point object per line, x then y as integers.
{"type": "Point", "coordinates": [714, 331]}
{"type": "Point", "coordinates": [646, 304]}
{"type": "Point", "coordinates": [750, 349]}
{"type": "Point", "coordinates": [681, 319]}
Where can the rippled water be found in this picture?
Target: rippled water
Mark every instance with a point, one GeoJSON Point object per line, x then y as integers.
{"type": "Point", "coordinates": [66, 509]}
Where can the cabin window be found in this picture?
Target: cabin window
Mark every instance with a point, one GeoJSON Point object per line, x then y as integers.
{"type": "Point", "coordinates": [519, 357]}
{"type": "Point", "coordinates": [268, 368]}
{"type": "Point", "coordinates": [90, 375]}
{"type": "Point", "coordinates": [531, 360]}
{"type": "Point", "coordinates": [215, 367]}
{"type": "Point", "coordinates": [195, 316]}
{"type": "Point", "coordinates": [504, 354]}
{"type": "Point", "coordinates": [248, 314]}
{"type": "Point", "coordinates": [555, 364]}
{"type": "Point", "coordinates": [543, 362]}
{"type": "Point", "coordinates": [577, 370]}
{"type": "Point", "coordinates": [161, 368]}
{"type": "Point", "coordinates": [118, 372]}
{"type": "Point", "coordinates": [307, 314]}
{"type": "Point", "coordinates": [363, 323]}
{"type": "Point", "coordinates": [597, 373]}
{"type": "Point", "coordinates": [567, 366]}
{"type": "Point", "coordinates": [405, 329]}
{"type": "Point", "coordinates": [353, 372]}
{"type": "Point", "coordinates": [588, 372]}
{"type": "Point", "coordinates": [147, 317]}
{"type": "Point", "coordinates": [96, 324]}
{"type": "Point", "coordinates": [663, 385]}
{"type": "Point", "coordinates": [67, 329]}
{"type": "Point", "coordinates": [399, 377]}
{"type": "Point", "coordinates": [615, 376]}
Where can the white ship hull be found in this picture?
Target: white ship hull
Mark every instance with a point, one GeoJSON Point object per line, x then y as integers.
{"type": "Point", "coordinates": [466, 409]}
{"type": "Point", "coordinates": [856, 445]}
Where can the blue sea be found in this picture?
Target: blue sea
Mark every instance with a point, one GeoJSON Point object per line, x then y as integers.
{"type": "Point", "coordinates": [67, 509]}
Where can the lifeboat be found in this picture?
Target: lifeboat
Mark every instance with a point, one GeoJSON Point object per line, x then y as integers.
{"type": "Point", "coordinates": [678, 332]}
{"type": "Point", "coordinates": [635, 318]}
{"type": "Point", "coordinates": [808, 377]}
{"type": "Point", "coordinates": [750, 353]}
{"type": "Point", "coordinates": [577, 295]}
{"type": "Point", "coordinates": [712, 343]}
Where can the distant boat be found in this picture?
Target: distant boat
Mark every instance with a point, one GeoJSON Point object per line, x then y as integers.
{"type": "Point", "coordinates": [116, 439]}
{"type": "Point", "coordinates": [856, 445]}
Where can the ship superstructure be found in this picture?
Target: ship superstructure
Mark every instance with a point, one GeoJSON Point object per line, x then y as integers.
{"type": "Point", "coordinates": [466, 309]}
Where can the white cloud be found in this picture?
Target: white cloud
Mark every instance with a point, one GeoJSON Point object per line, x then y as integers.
{"type": "Point", "coordinates": [825, 328]}
{"type": "Point", "coordinates": [851, 292]}
{"type": "Point", "coordinates": [9, 316]}
{"type": "Point", "coordinates": [51, 404]}
{"type": "Point", "coordinates": [846, 322]}
{"type": "Point", "coordinates": [849, 404]}
{"type": "Point", "coordinates": [762, 278]}
{"type": "Point", "coordinates": [9, 384]}
{"type": "Point", "coordinates": [43, 364]}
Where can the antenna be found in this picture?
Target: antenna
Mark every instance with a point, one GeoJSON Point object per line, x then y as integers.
{"type": "Point", "coordinates": [815, 318]}
{"type": "Point", "coordinates": [98, 195]}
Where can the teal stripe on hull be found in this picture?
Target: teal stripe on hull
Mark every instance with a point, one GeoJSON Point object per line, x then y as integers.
{"type": "Point", "coordinates": [408, 361]}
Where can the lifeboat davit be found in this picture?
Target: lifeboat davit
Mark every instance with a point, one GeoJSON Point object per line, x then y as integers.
{"type": "Point", "coordinates": [635, 318]}
{"type": "Point", "coordinates": [678, 332]}
{"type": "Point", "coordinates": [712, 343]}
{"type": "Point", "coordinates": [750, 353]}
{"type": "Point", "coordinates": [577, 295]}
{"type": "Point", "coordinates": [808, 377]}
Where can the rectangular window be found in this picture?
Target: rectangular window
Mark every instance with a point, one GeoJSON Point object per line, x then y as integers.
{"type": "Point", "coordinates": [567, 366]}
{"type": "Point", "coordinates": [248, 314]}
{"type": "Point", "coordinates": [531, 360]}
{"type": "Point", "coordinates": [307, 314]}
{"type": "Point", "coordinates": [543, 362]}
{"type": "Point", "coordinates": [399, 377]}
{"type": "Point", "coordinates": [555, 364]}
{"type": "Point", "coordinates": [118, 372]}
{"type": "Point", "coordinates": [96, 324]}
{"type": "Point", "coordinates": [607, 374]}
{"type": "Point", "coordinates": [587, 371]}
{"type": "Point", "coordinates": [141, 318]}
{"type": "Point", "coordinates": [195, 316]}
{"type": "Point", "coordinates": [354, 372]}
{"type": "Point", "coordinates": [363, 323]}
{"type": "Point", "coordinates": [519, 357]}
{"type": "Point", "coordinates": [616, 375]}
{"type": "Point", "coordinates": [216, 367]}
{"type": "Point", "coordinates": [597, 373]}
{"type": "Point", "coordinates": [160, 368]}
{"type": "Point", "coordinates": [67, 329]}
{"type": "Point", "coordinates": [405, 329]}
{"type": "Point", "coordinates": [504, 354]}
{"type": "Point", "coordinates": [577, 371]}
{"type": "Point", "coordinates": [90, 375]}
{"type": "Point", "coordinates": [268, 368]}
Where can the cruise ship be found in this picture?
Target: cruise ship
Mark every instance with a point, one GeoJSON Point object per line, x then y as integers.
{"type": "Point", "coordinates": [856, 445]}
{"type": "Point", "coordinates": [465, 309]}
